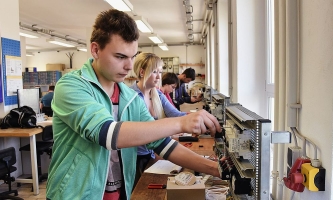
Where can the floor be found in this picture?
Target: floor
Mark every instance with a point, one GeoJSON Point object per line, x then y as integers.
{"type": "Point", "coordinates": [24, 191]}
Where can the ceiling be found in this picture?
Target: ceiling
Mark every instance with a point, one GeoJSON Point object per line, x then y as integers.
{"type": "Point", "coordinates": [74, 18]}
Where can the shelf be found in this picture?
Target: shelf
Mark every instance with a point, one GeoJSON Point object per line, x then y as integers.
{"type": "Point", "coordinates": [192, 64]}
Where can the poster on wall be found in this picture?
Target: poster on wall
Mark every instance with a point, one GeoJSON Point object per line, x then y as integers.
{"type": "Point", "coordinates": [13, 66]}
{"type": "Point", "coordinates": [13, 74]}
{"type": "Point", "coordinates": [13, 84]}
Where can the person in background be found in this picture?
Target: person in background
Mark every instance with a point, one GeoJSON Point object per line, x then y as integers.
{"type": "Point", "coordinates": [148, 69]}
{"type": "Point", "coordinates": [98, 121]}
{"type": "Point", "coordinates": [181, 96]}
{"type": "Point", "coordinates": [45, 103]}
{"type": "Point", "coordinates": [170, 82]}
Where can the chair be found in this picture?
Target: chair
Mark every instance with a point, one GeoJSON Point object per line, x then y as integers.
{"type": "Point", "coordinates": [42, 146]}
{"type": "Point", "coordinates": [7, 160]}
{"type": "Point", "coordinates": [47, 111]}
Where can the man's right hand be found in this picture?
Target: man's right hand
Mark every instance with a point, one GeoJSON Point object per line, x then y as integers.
{"type": "Point", "coordinates": [200, 122]}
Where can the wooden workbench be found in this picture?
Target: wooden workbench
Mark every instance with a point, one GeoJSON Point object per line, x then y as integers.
{"type": "Point", "coordinates": [141, 191]}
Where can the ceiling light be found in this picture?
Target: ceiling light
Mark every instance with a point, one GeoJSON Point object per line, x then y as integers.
{"type": "Point", "coordinates": [60, 42]}
{"type": "Point", "coordinates": [163, 46]}
{"type": "Point", "coordinates": [142, 24]}
{"type": "Point", "coordinates": [155, 38]}
{"type": "Point", "coordinates": [82, 49]}
{"type": "Point", "coordinates": [122, 5]}
{"type": "Point", "coordinates": [29, 54]}
{"type": "Point", "coordinates": [29, 34]}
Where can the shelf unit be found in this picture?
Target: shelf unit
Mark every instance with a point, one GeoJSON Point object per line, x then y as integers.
{"type": "Point", "coordinates": [171, 64]}
{"type": "Point", "coordinates": [40, 79]}
{"type": "Point", "coordinates": [192, 65]}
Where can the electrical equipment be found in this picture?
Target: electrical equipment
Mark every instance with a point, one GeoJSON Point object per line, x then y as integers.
{"type": "Point", "coordinates": [292, 180]}
{"type": "Point", "coordinates": [313, 177]}
{"type": "Point", "coordinates": [241, 185]}
{"type": "Point", "coordinates": [293, 153]}
{"type": "Point", "coordinates": [238, 141]}
{"type": "Point", "coordinates": [225, 168]}
{"type": "Point", "coordinates": [250, 175]}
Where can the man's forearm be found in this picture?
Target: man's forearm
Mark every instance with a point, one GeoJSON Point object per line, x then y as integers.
{"type": "Point", "coordinates": [188, 159]}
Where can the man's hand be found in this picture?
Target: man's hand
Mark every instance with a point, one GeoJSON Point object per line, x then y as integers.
{"type": "Point", "coordinates": [195, 99]}
{"type": "Point", "coordinates": [200, 122]}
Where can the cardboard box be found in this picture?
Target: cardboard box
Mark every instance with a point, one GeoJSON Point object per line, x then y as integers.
{"type": "Point", "coordinates": [55, 67]}
{"type": "Point", "coordinates": [193, 192]}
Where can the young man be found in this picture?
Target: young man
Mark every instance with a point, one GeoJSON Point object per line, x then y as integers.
{"type": "Point", "coordinates": [181, 96]}
{"type": "Point", "coordinates": [47, 98]}
{"type": "Point", "coordinates": [45, 103]}
{"type": "Point", "coordinates": [98, 121]}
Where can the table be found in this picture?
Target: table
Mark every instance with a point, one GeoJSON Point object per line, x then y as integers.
{"type": "Point", "coordinates": [141, 191]}
{"type": "Point", "coordinates": [31, 133]}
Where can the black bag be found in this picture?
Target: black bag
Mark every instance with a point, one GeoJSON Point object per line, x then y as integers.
{"type": "Point", "coordinates": [23, 117]}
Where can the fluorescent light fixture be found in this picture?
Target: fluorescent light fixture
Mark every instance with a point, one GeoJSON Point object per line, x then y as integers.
{"type": "Point", "coordinates": [29, 54]}
{"type": "Point", "coordinates": [29, 34]}
{"type": "Point", "coordinates": [122, 5]}
{"type": "Point", "coordinates": [60, 42]}
{"type": "Point", "coordinates": [142, 24]}
{"type": "Point", "coordinates": [82, 49]}
{"type": "Point", "coordinates": [155, 38]}
{"type": "Point", "coordinates": [163, 46]}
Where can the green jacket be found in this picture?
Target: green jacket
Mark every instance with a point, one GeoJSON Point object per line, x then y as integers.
{"type": "Point", "coordinates": [84, 132]}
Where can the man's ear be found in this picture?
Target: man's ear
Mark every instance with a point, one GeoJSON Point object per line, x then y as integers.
{"type": "Point", "coordinates": [94, 48]}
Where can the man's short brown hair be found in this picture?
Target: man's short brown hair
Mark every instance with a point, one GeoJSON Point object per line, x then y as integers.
{"type": "Point", "coordinates": [113, 22]}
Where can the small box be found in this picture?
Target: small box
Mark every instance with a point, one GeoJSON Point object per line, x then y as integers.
{"type": "Point", "coordinates": [192, 192]}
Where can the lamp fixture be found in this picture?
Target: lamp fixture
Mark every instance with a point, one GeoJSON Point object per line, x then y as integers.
{"type": "Point", "coordinates": [82, 49]}
{"type": "Point", "coordinates": [29, 34]}
{"type": "Point", "coordinates": [29, 54]}
{"type": "Point", "coordinates": [155, 38]}
{"type": "Point", "coordinates": [122, 5]}
{"type": "Point", "coordinates": [142, 24]}
{"type": "Point", "coordinates": [54, 40]}
{"type": "Point", "coordinates": [163, 46]}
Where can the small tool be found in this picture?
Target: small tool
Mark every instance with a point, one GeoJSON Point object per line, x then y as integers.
{"type": "Point", "coordinates": [156, 186]}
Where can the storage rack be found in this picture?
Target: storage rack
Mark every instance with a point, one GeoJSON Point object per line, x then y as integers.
{"type": "Point", "coordinates": [258, 167]}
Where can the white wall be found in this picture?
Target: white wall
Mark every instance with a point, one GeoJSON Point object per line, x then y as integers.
{"type": "Point", "coordinates": [223, 61]}
{"type": "Point", "coordinates": [316, 91]}
{"type": "Point", "coordinates": [9, 28]}
{"type": "Point", "coordinates": [251, 55]}
{"type": "Point", "coordinates": [40, 60]}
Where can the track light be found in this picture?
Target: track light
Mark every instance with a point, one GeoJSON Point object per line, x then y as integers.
{"type": "Point", "coordinates": [163, 46]}
{"type": "Point", "coordinates": [29, 34]}
{"type": "Point", "coordinates": [155, 38]}
{"type": "Point", "coordinates": [122, 5]}
{"type": "Point", "coordinates": [54, 40]}
{"type": "Point", "coordinates": [142, 24]}
{"type": "Point", "coordinates": [29, 54]}
{"type": "Point", "coordinates": [82, 49]}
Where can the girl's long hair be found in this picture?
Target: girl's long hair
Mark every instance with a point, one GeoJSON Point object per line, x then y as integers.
{"type": "Point", "coordinates": [149, 62]}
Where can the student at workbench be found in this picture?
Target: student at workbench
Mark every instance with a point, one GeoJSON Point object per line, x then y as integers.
{"type": "Point", "coordinates": [148, 69]}
{"type": "Point", "coordinates": [98, 121]}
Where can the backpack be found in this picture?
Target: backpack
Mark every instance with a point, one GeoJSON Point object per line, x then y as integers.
{"type": "Point", "coordinates": [23, 117]}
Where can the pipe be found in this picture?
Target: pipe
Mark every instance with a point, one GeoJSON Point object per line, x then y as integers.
{"type": "Point", "coordinates": [42, 31]}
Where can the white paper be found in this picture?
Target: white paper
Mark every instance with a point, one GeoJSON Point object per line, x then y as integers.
{"type": "Point", "coordinates": [164, 167]}
{"type": "Point", "coordinates": [13, 66]}
{"type": "Point", "coordinates": [12, 85]}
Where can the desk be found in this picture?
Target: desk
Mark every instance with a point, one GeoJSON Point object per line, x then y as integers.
{"type": "Point", "coordinates": [31, 133]}
{"type": "Point", "coordinates": [141, 191]}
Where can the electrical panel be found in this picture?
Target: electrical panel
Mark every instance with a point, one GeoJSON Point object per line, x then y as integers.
{"type": "Point", "coordinates": [244, 152]}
